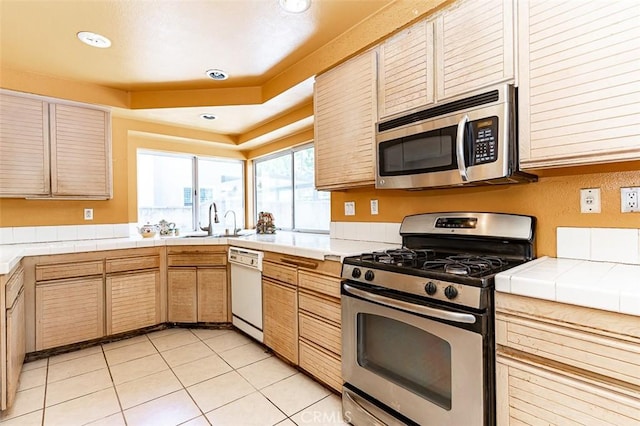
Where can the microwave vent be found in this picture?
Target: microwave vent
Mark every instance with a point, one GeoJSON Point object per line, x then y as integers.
{"type": "Point", "coordinates": [460, 105]}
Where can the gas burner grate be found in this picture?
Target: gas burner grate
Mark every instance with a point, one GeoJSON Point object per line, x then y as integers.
{"type": "Point", "coordinates": [401, 256]}
{"type": "Point", "coordinates": [466, 264]}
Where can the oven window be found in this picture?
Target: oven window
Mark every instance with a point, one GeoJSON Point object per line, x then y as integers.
{"type": "Point", "coordinates": [431, 151]}
{"type": "Point", "coordinates": [407, 356]}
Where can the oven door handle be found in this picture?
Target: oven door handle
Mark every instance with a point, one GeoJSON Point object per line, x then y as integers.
{"type": "Point", "coordinates": [462, 167]}
{"type": "Point", "coordinates": [366, 409]}
{"type": "Point", "coordinates": [411, 307]}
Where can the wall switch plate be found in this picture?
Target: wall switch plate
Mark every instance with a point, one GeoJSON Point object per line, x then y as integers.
{"type": "Point", "coordinates": [590, 200]}
{"type": "Point", "coordinates": [88, 214]}
{"type": "Point", "coordinates": [374, 206]}
{"type": "Point", "coordinates": [629, 202]}
{"type": "Point", "coordinates": [350, 208]}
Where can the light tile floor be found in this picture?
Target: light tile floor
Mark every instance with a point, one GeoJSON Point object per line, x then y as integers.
{"type": "Point", "coordinates": [191, 377]}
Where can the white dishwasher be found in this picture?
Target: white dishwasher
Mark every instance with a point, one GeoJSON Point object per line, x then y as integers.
{"type": "Point", "coordinates": [246, 290]}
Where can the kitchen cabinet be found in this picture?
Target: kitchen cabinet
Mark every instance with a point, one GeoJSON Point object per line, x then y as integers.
{"type": "Point", "coordinates": [319, 316]}
{"type": "Point", "coordinates": [465, 64]}
{"type": "Point", "coordinates": [198, 289]}
{"type": "Point", "coordinates": [345, 112]}
{"type": "Point", "coordinates": [52, 148]}
{"type": "Point", "coordinates": [132, 293]}
{"type": "Point", "coordinates": [280, 308]}
{"type": "Point", "coordinates": [406, 70]}
{"type": "Point", "coordinates": [579, 83]}
{"type": "Point", "coordinates": [12, 335]}
{"type": "Point", "coordinates": [561, 364]}
{"type": "Point", "coordinates": [69, 303]}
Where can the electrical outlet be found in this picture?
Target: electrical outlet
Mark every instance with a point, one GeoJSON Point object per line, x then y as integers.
{"type": "Point", "coordinates": [88, 214]}
{"type": "Point", "coordinates": [629, 200]}
{"type": "Point", "coordinates": [590, 200]}
{"type": "Point", "coordinates": [350, 208]}
{"type": "Point", "coordinates": [374, 206]}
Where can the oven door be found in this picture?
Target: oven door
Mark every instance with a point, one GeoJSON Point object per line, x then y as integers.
{"type": "Point", "coordinates": [421, 365]}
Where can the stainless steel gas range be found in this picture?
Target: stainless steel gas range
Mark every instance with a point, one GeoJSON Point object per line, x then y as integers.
{"type": "Point", "coordinates": [418, 321]}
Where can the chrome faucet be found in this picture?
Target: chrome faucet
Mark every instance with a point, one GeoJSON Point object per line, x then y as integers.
{"type": "Point", "coordinates": [235, 229]}
{"type": "Point", "coordinates": [209, 228]}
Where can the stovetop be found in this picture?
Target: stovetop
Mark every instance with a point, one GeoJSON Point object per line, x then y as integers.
{"type": "Point", "coordinates": [449, 257]}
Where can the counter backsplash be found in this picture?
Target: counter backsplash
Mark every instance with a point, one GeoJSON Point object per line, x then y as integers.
{"type": "Point", "coordinates": [599, 244]}
{"type": "Point", "coordinates": [366, 231]}
{"type": "Point", "coordinates": [44, 234]}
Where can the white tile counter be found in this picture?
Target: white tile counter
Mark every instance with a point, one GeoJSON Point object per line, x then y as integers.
{"type": "Point", "coordinates": [315, 246]}
{"type": "Point", "coordinates": [601, 285]}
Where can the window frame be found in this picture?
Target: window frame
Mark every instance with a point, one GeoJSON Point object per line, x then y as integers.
{"type": "Point", "coordinates": [195, 193]}
{"type": "Point", "coordinates": [290, 152]}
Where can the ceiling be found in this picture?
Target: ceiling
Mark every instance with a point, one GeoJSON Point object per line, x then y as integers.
{"type": "Point", "coordinates": [161, 48]}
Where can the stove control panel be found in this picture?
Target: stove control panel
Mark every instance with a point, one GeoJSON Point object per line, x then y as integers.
{"type": "Point", "coordinates": [464, 295]}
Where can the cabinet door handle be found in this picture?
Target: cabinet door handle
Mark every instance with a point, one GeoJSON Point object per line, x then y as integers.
{"type": "Point", "coordinates": [300, 263]}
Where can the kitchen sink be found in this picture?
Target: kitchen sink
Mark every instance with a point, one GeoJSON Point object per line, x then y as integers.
{"type": "Point", "coordinates": [215, 236]}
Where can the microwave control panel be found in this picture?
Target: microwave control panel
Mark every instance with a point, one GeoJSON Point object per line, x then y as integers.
{"type": "Point", "coordinates": [485, 140]}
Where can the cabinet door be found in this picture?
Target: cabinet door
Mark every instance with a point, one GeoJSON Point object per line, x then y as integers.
{"type": "Point", "coordinates": [212, 295]}
{"type": "Point", "coordinates": [182, 294]}
{"type": "Point", "coordinates": [580, 85]}
{"type": "Point", "coordinates": [280, 319]}
{"type": "Point", "coordinates": [345, 115]}
{"type": "Point", "coordinates": [474, 46]}
{"type": "Point", "coordinates": [16, 347]}
{"type": "Point", "coordinates": [69, 311]}
{"type": "Point", "coordinates": [405, 71]}
{"type": "Point", "coordinates": [528, 393]}
{"type": "Point", "coordinates": [80, 151]}
{"type": "Point", "coordinates": [24, 146]}
{"type": "Point", "coordinates": [133, 301]}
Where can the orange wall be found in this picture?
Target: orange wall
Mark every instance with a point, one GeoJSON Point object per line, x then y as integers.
{"type": "Point", "coordinates": [554, 200]}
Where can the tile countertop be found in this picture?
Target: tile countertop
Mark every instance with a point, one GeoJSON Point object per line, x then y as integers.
{"type": "Point", "coordinates": [314, 246]}
{"type": "Point", "coordinates": [602, 285]}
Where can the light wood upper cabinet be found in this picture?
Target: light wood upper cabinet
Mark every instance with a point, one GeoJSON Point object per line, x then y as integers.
{"type": "Point", "coordinates": [80, 151]}
{"type": "Point", "coordinates": [474, 46]}
{"type": "Point", "coordinates": [49, 148]}
{"type": "Point", "coordinates": [579, 99]}
{"type": "Point", "coordinates": [405, 70]}
{"type": "Point", "coordinates": [345, 115]}
{"type": "Point", "coordinates": [24, 146]}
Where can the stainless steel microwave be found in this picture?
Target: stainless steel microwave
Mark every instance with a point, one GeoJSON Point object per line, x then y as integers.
{"type": "Point", "coordinates": [468, 141]}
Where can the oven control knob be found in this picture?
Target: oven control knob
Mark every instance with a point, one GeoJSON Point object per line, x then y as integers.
{"type": "Point", "coordinates": [451, 292]}
{"type": "Point", "coordinates": [356, 273]}
{"type": "Point", "coordinates": [430, 288]}
{"type": "Point", "coordinates": [369, 276]}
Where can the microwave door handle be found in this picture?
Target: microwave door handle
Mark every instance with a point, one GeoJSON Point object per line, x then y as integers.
{"type": "Point", "coordinates": [410, 307]}
{"type": "Point", "coordinates": [462, 167]}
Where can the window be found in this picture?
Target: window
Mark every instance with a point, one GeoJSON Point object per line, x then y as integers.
{"type": "Point", "coordinates": [284, 186]}
{"type": "Point", "coordinates": [165, 190]}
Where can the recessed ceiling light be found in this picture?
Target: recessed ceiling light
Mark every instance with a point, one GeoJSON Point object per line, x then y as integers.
{"type": "Point", "coordinates": [206, 116]}
{"type": "Point", "coordinates": [295, 6]}
{"type": "Point", "coordinates": [93, 39]}
{"type": "Point", "coordinates": [215, 74]}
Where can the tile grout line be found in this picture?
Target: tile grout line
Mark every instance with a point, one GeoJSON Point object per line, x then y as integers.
{"type": "Point", "coordinates": [113, 384]}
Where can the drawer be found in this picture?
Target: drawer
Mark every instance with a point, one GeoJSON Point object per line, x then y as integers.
{"type": "Point", "coordinates": [56, 271]}
{"type": "Point", "coordinates": [320, 283]}
{"type": "Point", "coordinates": [322, 333]}
{"type": "Point", "coordinates": [327, 308]}
{"type": "Point", "coordinates": [14, 285]}
{"type": "Point", "coordinates": [197, 259]}
{"type": "Point", "coordinates": [603, 355]}
{"type": "Point", "coordinates": [278, 272]}
{"type": "Point", "coordinates": [126, 264]}
{"type": "Point", "coordinates": [321, 364]}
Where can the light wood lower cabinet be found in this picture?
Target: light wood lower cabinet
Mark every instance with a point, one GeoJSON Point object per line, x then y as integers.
{"type": "Point", "coordinates": [133, 301]}
{"type": "Point", "coordinates": [12, 340]}
{"type": "Point", "coordinates": [319, 325]}
{"type": "Point", "coordinates": [280, 318]}
{"type": "Point", "coordinates": [198, 286]}
{"type": "Point", "coordinates": [69, 311]}
{"type": "Point", "coordinates": [561, 364]}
